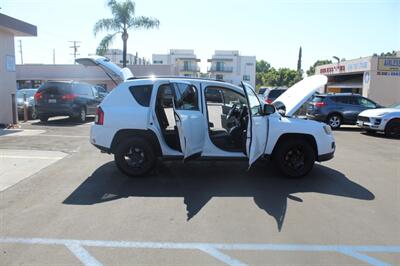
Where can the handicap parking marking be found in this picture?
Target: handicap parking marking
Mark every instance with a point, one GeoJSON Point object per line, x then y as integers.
{"type": "Point", "coordinates": [77, 247]}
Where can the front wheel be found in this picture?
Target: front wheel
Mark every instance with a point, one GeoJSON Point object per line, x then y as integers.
{"type": "Point", "coordinates": [392, 129]}
{"type": "Point", "coordinates": [295, 158]}
{"type": "Point", "coordinates": [135, 157]}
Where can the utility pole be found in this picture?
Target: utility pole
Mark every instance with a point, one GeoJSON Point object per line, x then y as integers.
{"type": "Point", "coordinates": [75, 47]}
{"type": "Point", "coordinates": [54, 56]}
{"type": "Point", "coordinates": [20, 51]}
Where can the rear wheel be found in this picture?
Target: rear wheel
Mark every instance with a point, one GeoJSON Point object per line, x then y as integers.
{"type": "Point", "coordinates": [82, 115]}
{"type": "Point", "coordinates": [392, 129]}
{"type": "Point", "coordinates": [335, 121]}
{"type": "Point", "coordinates": [294, 157]}
{"type": "Point", "coordinates": [135, 157]}
{"type": "Point", "coordinates": [33, 114]}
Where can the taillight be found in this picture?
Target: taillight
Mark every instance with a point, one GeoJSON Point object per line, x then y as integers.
{"type": "Point", "coordinates": [268, 101]}
{"type": "Point", "coordinates": [37, 96]}
{"type": "Point", "coordinates": [99, 119]}
{"type": "Point", "coordinates": [319, 104]}
{"type": "Point", "coordinates": [68, 97]}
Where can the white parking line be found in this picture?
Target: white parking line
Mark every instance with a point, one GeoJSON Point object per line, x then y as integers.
{"type": "Point", "coordinates": [63, 136]}
{"type": "Point", "coordinates": [212, 249]}
{"type": "Point", "coordinates": [29, 157]}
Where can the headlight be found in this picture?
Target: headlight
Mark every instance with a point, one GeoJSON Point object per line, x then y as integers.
{"type": "Point", "coordinates": [327, 129]}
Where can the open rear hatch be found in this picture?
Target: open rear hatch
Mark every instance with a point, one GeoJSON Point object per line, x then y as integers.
{"type": "Point", "coordinates": [113, 71]}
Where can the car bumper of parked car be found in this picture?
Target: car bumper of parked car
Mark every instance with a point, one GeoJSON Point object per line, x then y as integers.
{"type": "Point", "coordinates": [66, 110]}
{"type": "Point", "coordinates": [371, 125]}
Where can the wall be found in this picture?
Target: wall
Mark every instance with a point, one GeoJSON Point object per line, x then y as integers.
{"type": "Point", "coordinates": [7, 77]}
{"type": "Point", "coordinates": [384, 89]}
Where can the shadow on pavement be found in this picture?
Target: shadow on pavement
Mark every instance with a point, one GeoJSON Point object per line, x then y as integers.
{"type": "Point", "coordinates": [198, 182]}
{"type": "Point", "coordinates": [62, 122]}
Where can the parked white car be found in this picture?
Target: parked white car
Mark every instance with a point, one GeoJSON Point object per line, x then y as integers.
{"type": "Point", "coordinates": [386, 120]}
{"type": "Point", "coordinates": [145, 118]}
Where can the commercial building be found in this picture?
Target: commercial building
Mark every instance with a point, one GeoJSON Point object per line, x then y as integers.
{"type": "Point", "coordinates": [9, 28]}
{"type": "Point", "coordinates": [33, 75]}
{"type": "Point", "coordinates": [232, 67]}
{"type": "Point", "coordinates": [184, 61]}
{"type": "Point", "coordinates": [375, 77]}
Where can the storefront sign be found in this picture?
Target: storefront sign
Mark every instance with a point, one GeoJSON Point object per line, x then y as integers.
{"type": "Point", "coordinates": [389, 73]}
{"type": "Point", "coordinates": [389, 64]}
{"type": "Point", "coordinates": [358, 66]}
{"type": "Point", "coordinates": [333, 69]}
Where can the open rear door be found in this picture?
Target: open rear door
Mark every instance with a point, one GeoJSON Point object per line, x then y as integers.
{"type": "Point", "coordinates": [257, 129]}
{"type": "Point", "coordinates": [189, 119]}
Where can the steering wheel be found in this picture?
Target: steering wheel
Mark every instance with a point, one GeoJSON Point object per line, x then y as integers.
{"type": "Point", "coordinates": [232, 111]}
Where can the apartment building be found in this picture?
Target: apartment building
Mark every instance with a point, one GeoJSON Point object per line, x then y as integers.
{"type": "Point", "coordinates": [115, 55]}
{"type": "Point", "coordinates": [184, 61]}
{"type": "Point", "coordinates": [232, 67]}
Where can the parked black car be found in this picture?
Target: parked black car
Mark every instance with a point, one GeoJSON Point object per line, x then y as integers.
{"type": "Point", "coordinates": [66, 98]}
{"type": "Point", "coordinates": [27, 95]}
{"type": "Point", "coordinates": [273, 95]}
{"type": "Point", "coordinates": [338, 109]}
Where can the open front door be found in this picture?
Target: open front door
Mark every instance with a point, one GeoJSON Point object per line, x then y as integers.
{"type": "Point", "coordinates": [189, 119]}
{"type": "Point", "coordinates": [257, 129]}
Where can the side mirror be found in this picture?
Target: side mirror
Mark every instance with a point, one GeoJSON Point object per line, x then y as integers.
{"type": "Point", "coordinates": [268, 109]}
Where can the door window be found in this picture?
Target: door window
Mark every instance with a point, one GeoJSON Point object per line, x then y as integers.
{"type": "Point", "coordinates": [186, 97]}
{"type": "Point", "coordinates": [366, 103]}
{"type": "Point", "coordinates": [254, 103]}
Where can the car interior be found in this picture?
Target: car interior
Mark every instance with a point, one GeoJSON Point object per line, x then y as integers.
{"type": "Point", "coordinates": [227, 114]}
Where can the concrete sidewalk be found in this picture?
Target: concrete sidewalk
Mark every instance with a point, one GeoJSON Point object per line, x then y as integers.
{"type": "Point", "coordinates": [16, 165]}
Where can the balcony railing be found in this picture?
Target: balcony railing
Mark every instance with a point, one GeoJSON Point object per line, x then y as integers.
{"type": "Point", "coordinates": [225, 69]}
{"type": "Point", "coordinates": [189, 69]}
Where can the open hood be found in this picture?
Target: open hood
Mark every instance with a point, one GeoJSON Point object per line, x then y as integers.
{"type": "Point", "coordinates": [113, 71]}
{"type": "Point", "coordinates": [294, 97]}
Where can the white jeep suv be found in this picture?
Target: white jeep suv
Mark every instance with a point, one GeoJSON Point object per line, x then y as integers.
{"type": "Point", "coordinates": [189, 118]}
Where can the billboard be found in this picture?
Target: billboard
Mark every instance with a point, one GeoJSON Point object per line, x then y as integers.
{"type": "Point", "coordinates": [389, 64]}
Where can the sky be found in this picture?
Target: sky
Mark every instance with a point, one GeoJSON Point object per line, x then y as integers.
{"type": "Point", "coordinates": [271, 30]}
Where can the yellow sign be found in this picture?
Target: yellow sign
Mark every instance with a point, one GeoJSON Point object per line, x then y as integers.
{"type": "Point", "coordinates": [389, 64]}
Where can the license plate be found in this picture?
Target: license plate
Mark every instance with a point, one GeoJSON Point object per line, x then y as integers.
{"type": "Point", "coordinates": [52, 101]}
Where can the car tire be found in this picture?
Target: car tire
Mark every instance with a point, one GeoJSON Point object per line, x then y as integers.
{"type": "Point", "coordinates": [334, 121]}
{"type": "Point", "coordinates": [33, 114]}
{"type": "Point", "coordinates": [135, 157]}
{"type": "Point", "coordinates": [392, 129]}
{"type": "Point", "coordinates": [294, 157]}
{"type": "Point", "coordinates": [81, 118]}
{"type": "Point", "coordinates": [43, 118]}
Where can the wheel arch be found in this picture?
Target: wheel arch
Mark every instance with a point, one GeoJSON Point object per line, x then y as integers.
{"type": "Point", "coordinates": [307, 137]}
{"type": "Point", "coordinates": [148, 135]}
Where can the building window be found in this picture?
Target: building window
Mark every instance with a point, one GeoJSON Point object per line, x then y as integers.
{"type": "Point", "coordinates": [246, 77]}
{"type": "Point", "coordinates": [249, 64]}
{"type": "Point", "coordinates": [219, 77]}
{"type": "Point", "coordinates": [157, 62]}
{"type": "Point", "coordinates": [220, 66]}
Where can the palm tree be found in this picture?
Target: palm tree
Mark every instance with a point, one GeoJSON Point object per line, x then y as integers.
{"type": "Point", "coordinates": [123, 20]}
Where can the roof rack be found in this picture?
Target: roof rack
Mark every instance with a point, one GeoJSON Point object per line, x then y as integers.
{"type": "Point", "coordinates": [179, 77]}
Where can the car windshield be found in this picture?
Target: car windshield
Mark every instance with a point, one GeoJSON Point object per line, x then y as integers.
{"type": "Point", "coordinates": [262, 91]}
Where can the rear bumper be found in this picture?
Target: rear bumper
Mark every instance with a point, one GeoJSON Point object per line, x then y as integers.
{"type": "Point", "coordinates": [60, 110]}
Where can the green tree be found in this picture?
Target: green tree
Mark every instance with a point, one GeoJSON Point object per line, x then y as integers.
{"type": "Point", "coordinates": [123, 20]}
{"type": "Point", "coordinates": [311, 70]}
{"type": "Point", "coordinates": [299, 71]}
{"type": "Point", "coordinates": [262, 66]}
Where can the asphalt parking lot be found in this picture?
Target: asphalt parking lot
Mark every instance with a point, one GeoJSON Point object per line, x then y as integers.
{"type": "Point", "coordinates": [77, 208]}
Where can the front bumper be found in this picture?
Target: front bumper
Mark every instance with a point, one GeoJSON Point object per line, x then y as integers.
{"type": "Point", "coordinates": [373, 124]}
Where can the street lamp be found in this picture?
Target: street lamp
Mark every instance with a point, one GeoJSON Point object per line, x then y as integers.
{"type": "Point", "coordinates": [337, 58]}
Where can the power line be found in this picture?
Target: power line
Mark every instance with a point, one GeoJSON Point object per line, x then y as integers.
{"type": "Point", "coordinates": [75, 49]}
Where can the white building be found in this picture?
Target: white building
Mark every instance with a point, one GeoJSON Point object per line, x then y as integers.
{"type": "Point", "coordinates": [232, 67]}
{"type": "Point", "coordinates": [115, 55]}
{"type": "Point", "coordinates": [184, 61]}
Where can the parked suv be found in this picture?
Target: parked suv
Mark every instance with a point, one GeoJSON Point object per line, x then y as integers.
{"type": "Point", "coordinates": [66, 98]}
{"type": "Point", "coordinates": [146, 118]}
{"type": "Point", "coordinates": [338, 109]}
